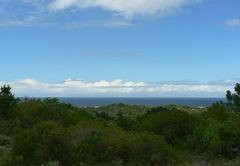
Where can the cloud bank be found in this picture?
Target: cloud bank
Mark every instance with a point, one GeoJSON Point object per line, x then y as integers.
{"type": "Point", "coordinates": [116, 88]}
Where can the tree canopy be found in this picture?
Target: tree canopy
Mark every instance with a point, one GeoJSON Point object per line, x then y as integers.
{"type": "Point", "coordinates": [234, 98]}
{"type": "Point", "coordinates": [7, 100]}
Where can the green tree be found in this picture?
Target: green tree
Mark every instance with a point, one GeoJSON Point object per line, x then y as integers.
{"type": "Point", "coordinates": [234, 99]}
{"type": "Point", "coordinates": [7, 100]}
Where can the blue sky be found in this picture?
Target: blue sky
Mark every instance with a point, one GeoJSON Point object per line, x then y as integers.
{"type": "Point", "coordinates": [120, 48]}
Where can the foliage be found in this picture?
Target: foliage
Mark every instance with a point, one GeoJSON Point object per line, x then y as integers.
{"type": "Point", "coordinates": [4, 152]}
{"type": "Point", "coordinates": [50, 163]}
{"type": "Point", "coordinates": [49, 133]}
{"type": "Point", "coordinates": [150, 112]}
{"type": "Point", "coordinates": [124, 122]}
{"type": "Point", "coordinates": [4, 140]}
{"type": "Point", "coordinates": [234, 99]}
{"type": "Point", "coordinates": [131, 111]}
{"type": "Point", "coordinates": [104, 115]}
{"type": "Point", "coordinates": [219, 138]}
{"type": "Point", "coordinates": [96, 144]}
{"type": "Point", "coordinates": [43, 142]}
{"type": "Point", "coordinates": [173, 125]}
{"type": "Point", "coordinates": [30, 112]}
{"type": "Point", "coordinates": [218, 112]}
{"type": "Point", "coordinates": [157, 110]}
{"type": "Point", "coordinates": [7, 100]}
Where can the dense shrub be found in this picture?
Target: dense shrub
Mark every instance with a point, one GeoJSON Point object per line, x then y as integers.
{"type": "Point", "coordinates": [50, 163]}
{"type": "Point", "coordinates": [215, 139]}
{"type": "Point", "coordinates": [175, 125]}
{"type": "Point", "coordinates": [218, 112]}
{"type": "Point", "coordinates": [4, 152]}
{"type": "Point", "coordinates": [97, 144]}
{"type": "Point", "coordinates": [124, 122]}
{"type": "Point", "coordinates": [44, 142]}
{"type": "Point", "coordinates": [104, 115]}
{"type": "Point", "coordinates": [33, 111]}
{"type": "Point", "coordinates": [149, 112]}
{"type": "Point", "coordinates": [4, 140]}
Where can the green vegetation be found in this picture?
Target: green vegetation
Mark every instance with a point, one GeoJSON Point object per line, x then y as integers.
{"type": "Point", "coordinates": [7, 100]}
{"type": "Point", "coordinates": [36, 132]}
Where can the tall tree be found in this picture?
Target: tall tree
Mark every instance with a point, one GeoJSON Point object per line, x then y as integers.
{"type": "Point", "coordinates": [234, 99]}
{"type": "Point", "coordinates": [7, 100]}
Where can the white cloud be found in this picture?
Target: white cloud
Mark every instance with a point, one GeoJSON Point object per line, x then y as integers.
{"type": "Point", "coordinates": [72, 88]}
{"type": "Point", "coordinates": [233, 23]}
{"type": "Point", "coordinates": [39, 12]}
{"type": "Point", "coordinates": [126, 8]}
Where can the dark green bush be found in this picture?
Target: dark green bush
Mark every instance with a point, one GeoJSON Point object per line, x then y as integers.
{"type": "Point", "coordinates": [124, 122]}
{"type": "Point", "coordinates": [218, 112]}
{"type": "Point", "coordinates": [44, 142]}
{"type": "Point", "coordinates": [216, 139]}
{"type": "Point", "coordinates": [175, 125]}
{"type": "Point", "coordinates": [96, 144]}
{"type": "Point", "coordinates": [33, 111]}
{"type": "Point", "coordinates": [104, 115]}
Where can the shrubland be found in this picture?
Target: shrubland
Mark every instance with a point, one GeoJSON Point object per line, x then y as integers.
{"type": "Point", "coordinates": [36, 132]}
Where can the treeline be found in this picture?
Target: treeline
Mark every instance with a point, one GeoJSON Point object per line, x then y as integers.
{"type": "Point", "coordinates": [49, 133]}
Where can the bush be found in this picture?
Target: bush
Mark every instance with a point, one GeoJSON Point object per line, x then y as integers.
{"type": "Point", "coordinates": [218, 112]}
{"type": "Point", "coordinates": [44, 142]}
{"type": "Point", "coordinates": [104, 115]}
{"type": "Point", "coordinates": [33, 111]}
{"type": "Point", "coordinates": [50, 163]}
{"type": "Point", "coordinates": [4, 152]}
{"type": "Point", "coordinates": [96, 144]}
{"type": "Point", "coordinates": [124, 122]}
{"type": "Point", "coordinates": [216, 139]}
{"type": "Point", "coordinates": [4, 140]}
{"type": "Point", "coordinates": [175, 125]}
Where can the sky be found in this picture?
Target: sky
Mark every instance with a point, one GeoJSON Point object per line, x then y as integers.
{"type": "Point", "coordinates": [120, 48]}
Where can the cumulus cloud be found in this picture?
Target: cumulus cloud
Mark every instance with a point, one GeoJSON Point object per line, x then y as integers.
{"type": "Point", "coordinates": [118, 88]}
{"type": "Point", "coordinates": [126, 8]}
{"type": "Point", "coordinates": [233, 23]}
